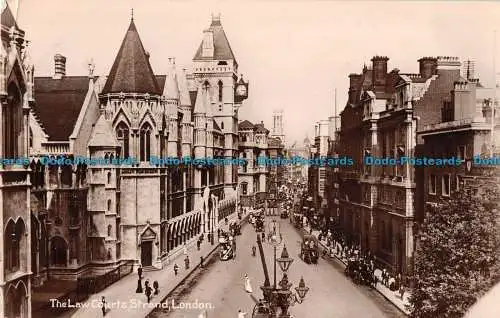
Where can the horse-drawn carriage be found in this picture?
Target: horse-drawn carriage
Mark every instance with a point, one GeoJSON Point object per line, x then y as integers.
{"type": "Point", "coordinates": [227, 251]}
{"type": "Point", "coordinates": [309, 249]}
{"type": "Point", "coordinates": [359, 271]}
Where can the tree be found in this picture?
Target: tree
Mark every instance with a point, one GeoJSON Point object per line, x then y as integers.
{"type": "Point", "coordinates": [457, 257]}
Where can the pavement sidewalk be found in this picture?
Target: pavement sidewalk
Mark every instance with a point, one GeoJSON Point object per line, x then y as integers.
{"type": "Point", "coordinates": [121, 298]}
{"type": "Point", "coordinates": [392, 296]}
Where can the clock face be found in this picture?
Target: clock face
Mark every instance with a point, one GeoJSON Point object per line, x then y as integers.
{"type": "Point", "coordinates": [241, 90]}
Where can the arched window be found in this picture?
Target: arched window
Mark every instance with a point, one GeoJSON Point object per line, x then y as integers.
{"type": "Point", "coordinates": [145, 142]}
{"type": "Point", "coordinates": [109, 206]}
{"type": "Point", "coordinates": [13, 236]}
{"type": "Point", "coordinates": [109, 230]}
{"type": "Point", "coordinates": [220, 90]}
{"type": "Point", "coordinates": [12, 121]}
{"type": "Point", "coordinates": [109, 178]}
{"type": "Point", "coordinates": [123, 134]}
{"type": "Point", "coordinates": [206, 85]}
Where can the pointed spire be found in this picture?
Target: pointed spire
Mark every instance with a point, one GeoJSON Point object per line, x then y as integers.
{"type": "Point", "coordinates": [171, 89]}
{"type": "Point", "coordinates": [132, 14]}
{"type": "Point", "coordinates": [131, 72]}
{"type": "Point", "coordinates": [184, 98]}
{"type": "Point", "coordinates": [200, 106]}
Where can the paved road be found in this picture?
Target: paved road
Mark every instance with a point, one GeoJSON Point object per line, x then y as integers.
{"type": "Point", "coordinates": [331, 294]}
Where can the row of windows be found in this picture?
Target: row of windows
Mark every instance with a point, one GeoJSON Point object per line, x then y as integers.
{"type": "Point", "coordinates": [445, 184]}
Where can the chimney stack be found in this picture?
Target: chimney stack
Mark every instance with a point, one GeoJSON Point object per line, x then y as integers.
{"type": "Point", "coordinates": [59, 66]}
{"type": "Point", "coordinates": [354, 81]}
{"type": "Point", "coordinates": [379, 71]}
{"type": "Point", "coordinates": [427, 66]}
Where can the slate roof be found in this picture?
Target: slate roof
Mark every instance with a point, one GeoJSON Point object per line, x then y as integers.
{"type": "Point", "coordinates": [131, 72]}
{"type": "Point", "coordinates": [7, 17]}
{"type": "Point", "coordinates": [259, 128]}
{"type": "Point", "coordinates": [58, 103]}
{"type": "Point", "coordinates": [222, 49]}
{"type": "Point", "coordinates": [102, 134]}
{"type": "Point", "coordinates": [245, 125]}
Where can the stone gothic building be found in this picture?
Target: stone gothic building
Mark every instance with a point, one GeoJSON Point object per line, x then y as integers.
{"type": "Point", "coordinates": [95, 216]}
{"type": "Point", "coordinates": [16, 96]}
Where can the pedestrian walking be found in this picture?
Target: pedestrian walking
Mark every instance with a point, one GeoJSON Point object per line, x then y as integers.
{"type": "Point", "coordinates": [147, 290]}
{"type": "Point", "coordinates": [139, 286]}
{"type": "Point", "coordinates": [241, 314]}
{"type": "Point", "coordinates": [156, 287]}
{"type": "Point", "coordinates": [201, 261]}
{"type": "Point", "coordinates": [176, 269]}
{"type": "Point", "coordinates": [198, 243]}
{"type": "Point", "coordinates": [139, 272]}
{"type": "Point", "coordinates": [186, 262]}
{"type": "Point", "coordinates": [103, 304]}
{"type": "Point", "coordinates": [248, 285]}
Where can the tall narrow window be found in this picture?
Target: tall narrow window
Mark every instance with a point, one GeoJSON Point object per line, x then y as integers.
{"type": "Point", "coordinates": [12, 123]}
{"type": "Point", "coordinates": [109, 230]}
{"type": "Point", "coordinates": [220, 90]}
{"type": "Point", "coordinates": [31, 138]}
{"type": "Point", "coordinates": [145, 142]}
{"type": "Point", "coordinates": [122, 134]}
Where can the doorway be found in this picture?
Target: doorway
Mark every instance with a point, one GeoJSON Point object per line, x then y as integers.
{"type": "Point", "coordinates": [147, 253]}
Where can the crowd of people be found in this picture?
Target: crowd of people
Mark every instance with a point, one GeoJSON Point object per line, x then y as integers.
{"type": "Point", "coordinates": [360, 265]}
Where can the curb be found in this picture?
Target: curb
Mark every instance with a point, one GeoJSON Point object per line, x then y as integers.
{"type": "Point", "coordinates": [303, 232]}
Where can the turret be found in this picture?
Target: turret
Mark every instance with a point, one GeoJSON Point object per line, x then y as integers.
{"type": "Point", "coordinates": [171, 95]}
{"type": "Point", "coordinates": [200, 123]}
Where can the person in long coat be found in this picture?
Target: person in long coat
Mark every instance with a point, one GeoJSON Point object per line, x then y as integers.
{"type": "Point", "coordinates": [248, 285]}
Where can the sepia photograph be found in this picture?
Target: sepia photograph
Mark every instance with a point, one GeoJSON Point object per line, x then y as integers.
{"type": "Point", "coordinates": [249, 159]}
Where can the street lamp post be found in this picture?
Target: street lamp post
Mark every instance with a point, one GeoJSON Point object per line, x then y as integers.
{"type": "Point", "coordinates": [278, 296]}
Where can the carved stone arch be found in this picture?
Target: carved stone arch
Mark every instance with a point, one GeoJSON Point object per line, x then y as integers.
{"type": "Point", "coordinates": [59, 249]}
{"type": "Point", "coordinates": [122, 116]}
{"type": "Point", "coordinates": [19, 285]}
{"type": "Point", "coordinates": [147, 117]}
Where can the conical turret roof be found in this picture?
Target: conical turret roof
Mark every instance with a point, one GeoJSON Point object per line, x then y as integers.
{"type": "Point", "coordinates": [200, 105]}
{"type": "Point", "coordinates": [185, 99]}
{"type": "Point", "coordinates": [131, 72]}
{"type": "Point", "coordinates": [171, 89]}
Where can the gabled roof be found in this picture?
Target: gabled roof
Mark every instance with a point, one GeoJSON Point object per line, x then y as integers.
{"type": "Point", "coordinates": [7, 17]}
{"type": "Point", "coordinates": [131, 72]}
{"type": "Point", "coordinates": [222, 49]}
{"type": "Point", "coordinates": [102, 134]}
{"type": "Point", "coordinates": [245, 125]}
{"type": "Point", "coordinates": [58, 103]}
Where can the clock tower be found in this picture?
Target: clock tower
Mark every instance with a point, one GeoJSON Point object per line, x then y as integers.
{"type": "Point", "coordinates": [215, 67]}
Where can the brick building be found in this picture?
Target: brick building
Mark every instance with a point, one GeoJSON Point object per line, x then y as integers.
{"type": "Point", "coordinates": [95, 217]}
{"type": "Point", "coordinates": [385, 110]}
{"type": "Point", "coordinates": [467, 129]}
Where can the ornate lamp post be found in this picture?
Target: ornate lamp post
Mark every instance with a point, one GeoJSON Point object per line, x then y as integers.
{"type": "Point", "coordinates": [278, 295]}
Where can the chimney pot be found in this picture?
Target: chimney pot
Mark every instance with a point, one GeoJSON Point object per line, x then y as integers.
{"type": "Point", "coordinates": [427, 66]}
{"type": "Point", "coordinates": [59, 66]}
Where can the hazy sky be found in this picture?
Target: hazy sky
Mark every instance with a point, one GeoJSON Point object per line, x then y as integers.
{"type": "Point", "coordinates": [294, 53]}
